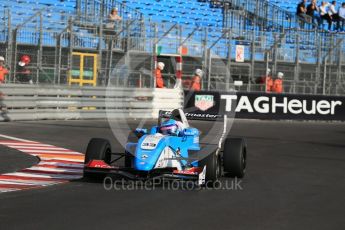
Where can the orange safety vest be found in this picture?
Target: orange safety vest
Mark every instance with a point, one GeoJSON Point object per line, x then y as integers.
{"type": "Point", "coordinates": [159, 79]}
{"type": "Point", "coordinates": [3, 72]}
{"type": "Point", "coordinates": [278, 86]}
{"type": "Point", "coordinates": [269, 84]}
{"type": "Point", "coordinates": [196, 86]}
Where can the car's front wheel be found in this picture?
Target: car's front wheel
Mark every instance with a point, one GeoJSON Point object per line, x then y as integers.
{"type": "Point", "coordinates": [235, 157]}
{"type": "Point", "coordinates": [213, 168]}
{"type": "Point", "coordinates": [97, 149]}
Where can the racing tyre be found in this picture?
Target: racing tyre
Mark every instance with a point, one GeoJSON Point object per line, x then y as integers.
{"type": "Point", "coordinates": [213, 169]}
{"type": "Point", "coordinates": [97, 149]}
{"type": "Point", "coordinates": [235, 157]}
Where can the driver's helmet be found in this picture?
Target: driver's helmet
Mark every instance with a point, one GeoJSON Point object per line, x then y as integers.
{"type": "Point", "coordinates": [169, 127]}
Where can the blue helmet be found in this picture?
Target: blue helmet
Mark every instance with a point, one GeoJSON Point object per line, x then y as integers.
{"type": "Point", "coordinates": [169, 127]}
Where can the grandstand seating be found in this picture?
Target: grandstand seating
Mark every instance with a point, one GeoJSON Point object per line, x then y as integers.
{"type": "Point", "coordinates": [195, 13]}
{"type": "Point", "coordinates": [55, 16]}
{"type": "Point", "coordinates": [289, 5]}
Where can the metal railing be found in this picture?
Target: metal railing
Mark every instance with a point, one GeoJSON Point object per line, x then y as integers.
{"type": "Point", "coordinates": [31, 102]}
{"type": "Point", "coordinates": [298, 53]}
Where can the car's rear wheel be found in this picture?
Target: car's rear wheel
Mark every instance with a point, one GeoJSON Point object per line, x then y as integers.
{"type": "Point", "coordinates": [97, 149]}
{"type": "Point", "coordinates": [235, 157]}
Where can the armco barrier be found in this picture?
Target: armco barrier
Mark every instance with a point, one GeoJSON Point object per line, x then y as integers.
{"type": "Point", "coordinates": [265, 106]}
{"type": "Point", "coordinates": [35, 102]}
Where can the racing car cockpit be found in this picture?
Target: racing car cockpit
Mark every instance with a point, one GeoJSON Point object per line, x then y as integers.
{"type": "Point", "coordinates": [172, 124]}
{"type": "Point", "coordinates": [176, 114]}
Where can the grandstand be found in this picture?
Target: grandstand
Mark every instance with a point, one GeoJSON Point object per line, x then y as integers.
{"type": "Point", "coordinates": [52, 30]}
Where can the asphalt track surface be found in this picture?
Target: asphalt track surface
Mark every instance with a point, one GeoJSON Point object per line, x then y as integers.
{"type": "Point", "coordinates": [295, 180]}
{"type": "Point", "coordinates": [13, 160]}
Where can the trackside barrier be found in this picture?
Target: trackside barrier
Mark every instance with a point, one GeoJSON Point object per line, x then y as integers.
{"type": "Point", "coordinates": [264, 106]}
{"type": "Point", "coordinates": [36, 102]}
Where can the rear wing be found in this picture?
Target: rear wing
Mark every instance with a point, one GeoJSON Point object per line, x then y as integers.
{"type": "Point", "coordinates": [176, 114]}
{"type": "Point", "coordinates": [192, 116]}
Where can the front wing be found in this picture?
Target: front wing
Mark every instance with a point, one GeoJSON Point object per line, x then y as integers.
{"type": "Point", "coordinates": [193, 173]}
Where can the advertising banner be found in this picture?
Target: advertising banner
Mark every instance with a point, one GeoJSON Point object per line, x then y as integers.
{"type": "Point", "coordinates": [264, 106]}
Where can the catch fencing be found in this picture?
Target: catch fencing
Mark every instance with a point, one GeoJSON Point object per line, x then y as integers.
{"type": "Point", "coordinates": [303, 55]}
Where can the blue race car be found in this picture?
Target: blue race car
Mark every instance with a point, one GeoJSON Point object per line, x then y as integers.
{"type": "Point", "coordinates": [170, 150]}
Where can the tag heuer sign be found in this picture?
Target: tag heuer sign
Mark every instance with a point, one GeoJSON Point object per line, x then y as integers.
{"type": "Point", "coordinates": [204, 102]}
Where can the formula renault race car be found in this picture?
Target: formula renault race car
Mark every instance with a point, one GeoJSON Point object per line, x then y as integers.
{"type": "Point", "coordinates": [170, 150]}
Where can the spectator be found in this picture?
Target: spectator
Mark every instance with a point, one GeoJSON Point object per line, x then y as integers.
{"type": "Point", "coordinates": [333, 13]}
{"type": "Point", "coordinates": [313, 12]}
{"type": "Point", "coordinates": [113, 17]}
{"type": "Point", "coordinates": [23, 73]}
{"type": "Point", "coordinates": [341, 14]}
{"type": "Point", "coordinates": [324, 14]}
{"type": "Point", "coordinates": [278, 83]}
{"type": "Point", "coordinates": [196, 81]}
{"type": "Point", "coordinates": [3, 70]}
{"type": "Point", "coordinates": [159, 78]}
{"type": "Point", "coordinates": [302, 12]}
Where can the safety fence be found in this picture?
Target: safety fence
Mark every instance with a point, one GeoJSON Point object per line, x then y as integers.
{"type": "Point", "coordinates": [31, 102]}
{"type": "Point", "coordinates": [83, 47]}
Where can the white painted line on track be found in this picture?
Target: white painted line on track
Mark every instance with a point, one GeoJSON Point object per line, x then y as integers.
{"type": "Point", "coordinates": [57, 170]}
{"type": "Point", "coordinates": [37, 147]}
{"type": "Point", "coordinates": [15, 138]}
{"type": "Point", "coordinates": [62, 159]}
{"type": "Point", "coordinates": [61, 164]}
{"type": "Point", "coordinates": [24, 144]}
{"type": "Point", "coordinates": [49, 176]}
{"type": "Point", "coordinates": [48, 151]}
{"type": "Point", "coordinates": [29, 182]}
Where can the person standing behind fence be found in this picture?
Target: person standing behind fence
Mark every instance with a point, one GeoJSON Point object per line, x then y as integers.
{"type": "Point", "coordinates": [113, 17]}
{"type": "Point", "coordinates": [23, 74]}
{"type": "Point", "coordinates": [269, 83]}
{"type": "Point", "coordinates": [266, 80]}
{"type": "Point", "coordinates": [3, 70]}
{"type": "Point", "coordinates": [196, 80]}
{"type": "Point", "coordinates": [158, 73]}
{"type": "Point", "coordinates": [278, 83]}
